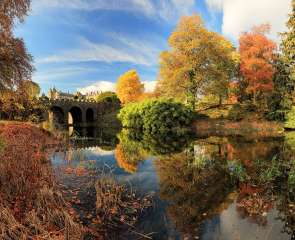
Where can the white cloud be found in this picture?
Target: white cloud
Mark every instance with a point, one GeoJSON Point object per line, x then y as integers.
{"type": "Point", "coordinates": [129, 50]}
{"type": "Point", "coordinates": [164, 9]}
{"type": "Point", "coordinates": [100, 86]}
{"type": "Point", "coordinates": [104, 86]}
{"type": "Point", "coordinates": [149, 86]}
{"type": "Point", "coordinates": [241, 15]}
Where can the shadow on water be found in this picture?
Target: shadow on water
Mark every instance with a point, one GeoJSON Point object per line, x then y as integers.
{"type": "Point", "coordinates": [211, 188]}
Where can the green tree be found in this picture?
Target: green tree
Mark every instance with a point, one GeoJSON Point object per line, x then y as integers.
{"type": "Point", "coordinates": [199, 62]}
{"type": "Point", "coordinates": [280, 101]}
{"type": "Point", "coordinates": [288, 44]}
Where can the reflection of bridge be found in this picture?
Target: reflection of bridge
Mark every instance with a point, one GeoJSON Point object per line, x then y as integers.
{"type": "Point", "coordinates": [79, 114]}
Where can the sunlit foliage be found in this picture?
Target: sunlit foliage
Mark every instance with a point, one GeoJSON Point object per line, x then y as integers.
{"type": "Point", "coordinates": [257, 56]}
{"type": "Point", "coordinates": [156, 116]}
{"type": "Point", "coordinates": [22, 103]}
{"type": "Point", "coordinates": [129, 87]}
{"type": "Point", "coordinates": [290, 119]}
{"type": "Point", "coordinates": [199, 62]}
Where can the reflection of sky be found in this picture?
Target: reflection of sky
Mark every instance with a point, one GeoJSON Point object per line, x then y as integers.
{"type": "Point", "coordinates": [145, 179]}
{"type": "Point", "coordinates": [229, 225]}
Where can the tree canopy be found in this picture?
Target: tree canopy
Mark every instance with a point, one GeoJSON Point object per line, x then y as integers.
{"type": "Point", "coordinates": [15, 61]}
{"type": "Point", "coordinates": [129, 87]}
{"type": "Point", "coordinates": [199, 62]}
{"type": "Point", "coordinates": [257, 56]}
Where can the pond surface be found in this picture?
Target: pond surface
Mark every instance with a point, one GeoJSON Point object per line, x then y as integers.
{"type": "Point", "coordinates": [214, 188]}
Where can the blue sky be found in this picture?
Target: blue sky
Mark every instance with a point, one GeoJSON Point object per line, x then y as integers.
{"type": "Point", "coordinates": [88, 44]}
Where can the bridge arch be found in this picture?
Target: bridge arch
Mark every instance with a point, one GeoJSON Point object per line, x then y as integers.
{"type": "Point", "coordinates": [90, 115]}
{"type": "Point", "coordinates": [76, 115]}
{"type": "Point", "coordinates": [57, 116]}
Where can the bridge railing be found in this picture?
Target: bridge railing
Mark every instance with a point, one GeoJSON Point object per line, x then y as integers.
{"type": "Point", "coordinates": [65, 100]}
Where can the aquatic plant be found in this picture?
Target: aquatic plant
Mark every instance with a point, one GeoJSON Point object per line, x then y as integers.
{"type": "Point", "coordinates": [119, 205]}
{"type": "Point", "coordinates": [237, 170]}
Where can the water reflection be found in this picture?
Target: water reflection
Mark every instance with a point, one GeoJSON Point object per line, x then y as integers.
{"type": "Point", "coordinates": [213, 188]}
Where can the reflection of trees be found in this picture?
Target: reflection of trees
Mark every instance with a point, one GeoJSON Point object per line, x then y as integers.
{"type": "Point", "coordinates": [128, 152]}
{"type": "Point", "coordinates": [248, 151]}
{"type": "Point", "coordinates": [268, 167]}
{"type": "Point", "coordinates": [194, 194]}
{"type": "Point", "coordinates": [128, 164]}
{"type": "Point", "coordinates": [286, 208]}
{"type": "Point", "coordinates": [164, 144]}
{"type": "Point", "coordinates": [135, 147]}
{"type": "Point", "coordinates": [197, 181]}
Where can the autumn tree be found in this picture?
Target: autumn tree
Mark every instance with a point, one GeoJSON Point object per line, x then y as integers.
{"type": "Point", "coordinates": [10, 10]}
{"type": "Point", "coordinates": [199, 62]}
{"type": "Point", "coordinates": [129, 87]}
{"type": "Point", "coordinates": [257, 54]}
{"type": "Point", "coordinates": [29, 89]}
{"type": "Point", "coordinates": [15, 62]}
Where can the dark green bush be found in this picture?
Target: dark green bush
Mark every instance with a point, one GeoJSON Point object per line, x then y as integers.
{"type": "Point", "coordinates": [110, 97]}
{"type": "Point", "coordinates": [163, 117]}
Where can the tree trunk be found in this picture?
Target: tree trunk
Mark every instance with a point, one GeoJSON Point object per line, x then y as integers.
{"type": "Point", "coordinates": [220, 100]}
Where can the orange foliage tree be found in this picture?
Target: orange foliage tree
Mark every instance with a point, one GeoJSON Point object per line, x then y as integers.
{"type": "Point", "coordinates": [129, 87]}
{"type": "Point", "coordinates": [257, 53]}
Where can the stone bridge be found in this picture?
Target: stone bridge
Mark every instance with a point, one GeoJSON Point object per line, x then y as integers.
{"type": "Point", "coordinates": [79, 114]}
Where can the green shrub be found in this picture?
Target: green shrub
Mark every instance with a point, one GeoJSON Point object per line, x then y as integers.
{"type": "Point", "coordinates": [132, 115]}
{"type": "Point", "coordinates": [110, 97]}
{"type": "Point", "coordinates": [291, 177]}
{"type": "Point", "coordinates": [236, 113]}
{"type": "Point", "coordinates": [290, 119]}
{"type": "Point", "coordinates": [156, 116]}
{"type": "Point", "coordinates": [166, 116]}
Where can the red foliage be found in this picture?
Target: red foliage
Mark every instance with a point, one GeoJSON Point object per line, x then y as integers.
{"type": "Point", "coordinates": [257, 55]}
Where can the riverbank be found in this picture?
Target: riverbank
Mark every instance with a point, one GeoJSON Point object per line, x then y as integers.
{"type": "Point", "coordinates": [225, 127]}
{"type": "Point", "coordinates": [34, 203]}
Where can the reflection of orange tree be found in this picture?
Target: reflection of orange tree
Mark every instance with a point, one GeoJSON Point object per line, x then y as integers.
{"type": "Point", "coordinates": [194, 194]}
{"type": "Point", "coordinates": [123, 161]}
{"type": "Point", "coordinates": [128, 152]}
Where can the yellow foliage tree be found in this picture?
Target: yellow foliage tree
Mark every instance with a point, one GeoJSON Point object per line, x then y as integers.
{"type": "Point", "coordinates": [199, 62]}
{"type": "Point", "coordinates": [129, 87]}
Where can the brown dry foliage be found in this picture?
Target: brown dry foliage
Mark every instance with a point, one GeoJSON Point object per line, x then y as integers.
{"type": "Point", "coordinates": [11, 10]}
{"type": "Point", "coordinates": [31, 206]}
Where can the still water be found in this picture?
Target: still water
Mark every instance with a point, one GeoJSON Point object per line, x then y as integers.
{"type": "Point", "coordinates": [227, 188]}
